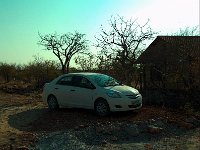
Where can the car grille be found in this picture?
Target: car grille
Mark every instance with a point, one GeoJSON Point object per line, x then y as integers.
{"type": "Point", "coordinates": [134, 106]}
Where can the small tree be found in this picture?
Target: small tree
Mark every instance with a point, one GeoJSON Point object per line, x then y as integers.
{"type": "Point", "coordinates": [86, 62]}
{"type": "Point", "coordinates": [123, 43]}
{"type": "Point", "coordinates": [7, 71]}
{"type": "Point", "coordinates": [188, 31]}
{"type": "Point", "coordinates": [64, 46]}
{"type": "Point", "coordinates": [40, 71]}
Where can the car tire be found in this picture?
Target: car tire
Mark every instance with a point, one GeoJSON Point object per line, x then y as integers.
{"type": "Point", "coordinates": [52, 103]}
{"type": "Point", "coordinates": [101, 107]}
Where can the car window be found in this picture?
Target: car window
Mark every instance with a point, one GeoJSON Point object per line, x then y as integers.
{"type": "Point", "coordinates": [76, 80]}
{"type": "Point", "coordinates": [82, 82]}
{"type": "Point", "coordinates": [104, 80]}
{"type": "Point", "coordinates": [67, 80]}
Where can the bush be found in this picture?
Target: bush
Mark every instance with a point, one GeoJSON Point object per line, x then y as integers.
{"type": "Point", "coordinates": [37, 72]}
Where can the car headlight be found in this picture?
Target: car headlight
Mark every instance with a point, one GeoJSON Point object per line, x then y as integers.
{"type": "Point", "coordinates": [136, 92]}
{"type": "Point", "coordinates": [113, 94]}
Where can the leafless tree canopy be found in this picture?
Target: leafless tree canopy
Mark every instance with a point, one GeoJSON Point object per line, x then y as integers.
{"type": "Point", "coordinates": [123, 42]}
{"type": "Point", "coordinates": [188, 31]}
{"type": "Point", "coordinates": [64, 46]}
{"type": "Point", "coordinates": [125, 36]}
{"type": "Point", "coordinates": [86, 62]}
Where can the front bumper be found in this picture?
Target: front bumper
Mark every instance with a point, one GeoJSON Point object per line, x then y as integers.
{"type": "Point", "coordinates": [125, 103]}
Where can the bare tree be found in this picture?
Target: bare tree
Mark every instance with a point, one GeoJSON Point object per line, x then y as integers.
{"type": "Point", "coordinates": [7, 71]}
{"type": "Point", "coordinates": [64, 46]}
{"type": "Point", "coordinates": [188, 31]}
{"type": "Point", "coordinates": [87, 62]}
{"type": "Point", "coordinates": [123, 43]}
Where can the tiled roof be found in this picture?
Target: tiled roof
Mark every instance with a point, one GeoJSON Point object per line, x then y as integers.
{"type": "Point", "coordinates": [169, 48]}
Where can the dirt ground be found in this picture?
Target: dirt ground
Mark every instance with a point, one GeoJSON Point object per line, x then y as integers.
{"type": "Point", "coordinates": [25, 121]}
{"type": "Point", "coordinates": [14, 131]}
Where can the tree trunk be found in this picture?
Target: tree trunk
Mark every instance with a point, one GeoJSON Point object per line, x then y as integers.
{"type": "Point", "coordinates": [67, 68]}
{"type": "Point", "coordinates": [64, 71]}
{"type": "Point", "coordinates": [128, 77]}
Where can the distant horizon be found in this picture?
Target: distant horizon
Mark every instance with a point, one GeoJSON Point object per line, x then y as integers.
{"type": "Point", "coordinates": [22, 20]}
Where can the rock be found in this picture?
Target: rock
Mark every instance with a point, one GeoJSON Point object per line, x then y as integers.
{"type": "Point", "coordinates": [22, 148]}
{"type": "Point", "coordinates": [98, 129]}
{"type": "Point", "coordinates": [114, 138]}
{"type": "Point", "coordinates": [152, 120]}
{"type": "Point", "coordinates": [116, 128]}
{"type": "Point", "coordinates": [159, 123]}
{"type": "Point", "coordinates": [154, 130]}
{"type": "Point", "coordinates": [107, 132]}
{"type": "Point", "coordinates": [132, 130]}
{"type": "Point", "coordinates": [148, 146]}
{"type": "Point", "coordinates": [143, 127]}
{"type": "Point", "coordinates": [172, 121]}
{"type": "Point", "coordinates": [193, 121]}
{"type": "Point", "coordinates": [186, 125]}
{"type": "Point", "coordinates": [76, 128]}
{"type": "Point", "coordinates": [104, 142]}
{"type": "Point", "coordinates": [81, 126]}
{"type": "Point", "coordinates": [12, 139]}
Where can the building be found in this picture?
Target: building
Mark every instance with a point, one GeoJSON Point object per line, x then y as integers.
{"type": "Point", "coordinates": [171, 63]}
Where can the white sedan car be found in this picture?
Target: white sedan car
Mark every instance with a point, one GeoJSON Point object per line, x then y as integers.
{"type": "Point", "coordinates": [99, 92]}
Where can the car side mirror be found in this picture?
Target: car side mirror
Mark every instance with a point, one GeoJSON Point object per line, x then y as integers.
{"type": "Point", "coordinates": [120, 83]}
{"type": "Point", "coordinates": [92, 87]}
{"type": "Point", "coordinates": [89, 86]}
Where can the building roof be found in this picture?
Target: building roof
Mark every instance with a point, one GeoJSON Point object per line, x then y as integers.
{"type": "Point", "coordinates": [170, 49]}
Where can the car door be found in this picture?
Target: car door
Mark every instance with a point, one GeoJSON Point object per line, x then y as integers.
{"type": "Point", "coordinates": [83, 92]}
{"type": "Point", "coordinates": [63, 91]}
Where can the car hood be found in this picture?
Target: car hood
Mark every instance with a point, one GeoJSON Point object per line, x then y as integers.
{"type": "Point", "coordinates": [125, 90]}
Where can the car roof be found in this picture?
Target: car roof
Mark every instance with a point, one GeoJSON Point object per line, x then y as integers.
{"type": "Point", "coordinates": [84, 73]}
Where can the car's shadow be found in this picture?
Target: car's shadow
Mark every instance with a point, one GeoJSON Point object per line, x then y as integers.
{"type": "Point", "coordinates": [41, 119]}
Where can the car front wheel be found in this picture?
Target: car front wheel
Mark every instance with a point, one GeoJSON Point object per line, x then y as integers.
{"type": "Point", "coordinates": [101, 107]}
{"type": "Point", "coordinates": [52, 103]}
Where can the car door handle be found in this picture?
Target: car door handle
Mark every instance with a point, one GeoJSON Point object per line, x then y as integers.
{"type": "Point", "coordinates": [56, 88]}
{"type": "Point", "coordinates": [72, 90]}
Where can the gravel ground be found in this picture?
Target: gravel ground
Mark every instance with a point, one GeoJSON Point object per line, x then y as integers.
{"type": "Point", "coordinates": [122, 136]}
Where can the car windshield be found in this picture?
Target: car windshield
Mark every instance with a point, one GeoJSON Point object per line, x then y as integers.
{"type": "Point", "coordinates": [104, 80]}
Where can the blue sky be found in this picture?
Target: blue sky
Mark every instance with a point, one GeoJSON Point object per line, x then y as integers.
{"type": "Point", "coordinates": [21, 20]}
